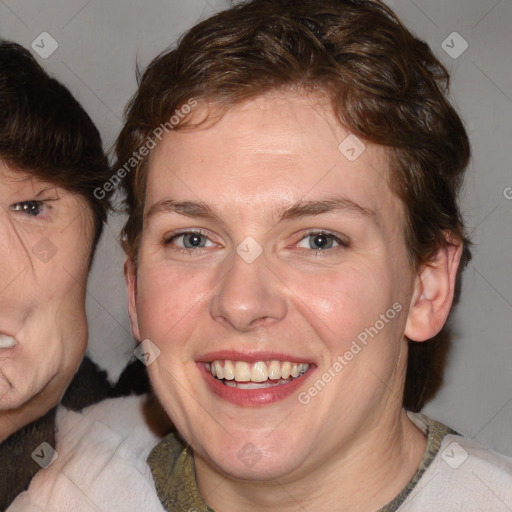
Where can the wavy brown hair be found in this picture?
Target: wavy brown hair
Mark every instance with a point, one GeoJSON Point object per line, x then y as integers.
{"type": "Point", "coordinates": [384, 84]}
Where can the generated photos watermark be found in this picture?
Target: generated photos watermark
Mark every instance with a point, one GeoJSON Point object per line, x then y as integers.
{"type": "Point", "coordinates": [344, 359]}
{"type": "Point", "coordinates": [149, 144]}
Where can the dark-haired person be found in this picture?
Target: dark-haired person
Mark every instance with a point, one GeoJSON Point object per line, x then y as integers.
{"type": "Point", "coordinates": [52, 165]}
{"type": "Point", "coordinates": [289, 242]}
{"type": "Point", "coordinates": [51, 161]}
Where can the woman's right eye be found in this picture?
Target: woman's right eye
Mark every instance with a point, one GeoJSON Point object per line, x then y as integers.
{"type": "Point", "coordinates": [190, 240]}
{"type": "Point", "coordinates": [32, 208]}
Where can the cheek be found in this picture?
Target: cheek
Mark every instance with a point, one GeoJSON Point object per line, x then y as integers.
{"type": "Point", "coordinates": [15, 256]}
{"type": "Point", "coordinates": [60, 283]}
{"type": "Point", "coordinates": [342, 302]}
{"type": "Point", "coordinates": [169, 300]}
{"type": "Point", "coordinates": [63, 262]}
{"type": "Point", "coordinates": [69, 244]}
{"type": "Point", "coordinates": [73, 253]}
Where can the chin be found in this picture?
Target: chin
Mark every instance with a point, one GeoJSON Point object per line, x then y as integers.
{"type": "Point", "coordinates": [15, 390]}
{"type": "Point", "coordinates": [10, 397]}
{"type": "Point", "coordinates": [253, 457]}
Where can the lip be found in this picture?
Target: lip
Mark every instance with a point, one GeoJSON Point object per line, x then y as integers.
{"type": "Point", "coordinates": [253, 397]}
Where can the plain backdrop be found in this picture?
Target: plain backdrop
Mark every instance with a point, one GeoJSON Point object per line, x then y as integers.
{"type": "Point", "coordinates": [99, 44]}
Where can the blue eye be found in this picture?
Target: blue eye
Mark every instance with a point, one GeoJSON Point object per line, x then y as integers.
{"type": "Point", "coordinates": [32, 208]}
{"type": "Point", "coordinates": [319, 241]}
{"type": "Point", "coordinates": [190, 240]}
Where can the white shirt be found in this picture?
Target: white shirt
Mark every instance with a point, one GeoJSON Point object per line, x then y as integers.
{"type": "Point", "coordinates": [100, 463]}
{"type": "Point", "coordinates": [463, 477]}
{"type": "Point", "coordinates": [101, 466]}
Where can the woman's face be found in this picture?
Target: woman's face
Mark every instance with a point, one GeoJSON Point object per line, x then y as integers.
{"type": "Point", "coordinates": [270, 246]}
{"type": "Point", "coordinates": [46, 234]}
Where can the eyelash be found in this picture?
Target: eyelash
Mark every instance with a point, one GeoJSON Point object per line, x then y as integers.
{"type": "Point", "coordinates": [182, 250]}
{"type": "Point", "coordinates": [18, 207]}
{"type": "Point", "coordinates": [343, 243]}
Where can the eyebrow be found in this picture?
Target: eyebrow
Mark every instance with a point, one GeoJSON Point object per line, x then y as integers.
{"type": "Point", "coordinates": [187, 208]}
{"type": "Point", "coordinates": [311, 208]}
{"type": "Point", "coordinates": [41, 192]}
{"type": "Point", "coordinates": [298, 210]}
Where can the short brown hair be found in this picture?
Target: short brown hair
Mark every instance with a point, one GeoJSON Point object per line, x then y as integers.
{"type": "Point", "coordinates": [45, 132]}
{"type": "Point", "coordinates": [384, 84]}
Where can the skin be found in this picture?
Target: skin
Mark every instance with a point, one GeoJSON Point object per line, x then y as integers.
{"type": "Point", "coordinates": [42, 303]}
{"type": "Point", "coordinates": [353, 443]}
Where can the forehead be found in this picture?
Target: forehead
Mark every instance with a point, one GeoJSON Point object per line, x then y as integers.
{"type": "Point", "coordinates": [268, 153]}
{"type": "Point", "coordinates": [8, 173]}
{"type": "Point", "coordinates": [14, 179]}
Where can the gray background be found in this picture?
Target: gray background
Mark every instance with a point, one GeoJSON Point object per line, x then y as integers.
{"type": "Point", "coordinates": [99, 44]}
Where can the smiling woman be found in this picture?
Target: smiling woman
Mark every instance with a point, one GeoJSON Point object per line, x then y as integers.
{"type": "Point", "coordinates": [51, 159]}
{"type": "Point", "coordinates": [309, 202]}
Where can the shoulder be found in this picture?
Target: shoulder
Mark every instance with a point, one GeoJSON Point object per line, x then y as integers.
{"type": "Point", "coordinates": [463, 475]}
{"type": "Point", "coordinates": [120, 415]}
{"type": "Point", "coordinates": [89, 386]}
{"type": "Point", "coordinates": [466, 462]}
{"type": "Point", "coordinates": [100, 461]}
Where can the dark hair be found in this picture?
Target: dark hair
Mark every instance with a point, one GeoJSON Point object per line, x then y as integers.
{"type": "Point", "coordinates": [384, 84]}
{"type": "Point", "coordinates": [45, 132]}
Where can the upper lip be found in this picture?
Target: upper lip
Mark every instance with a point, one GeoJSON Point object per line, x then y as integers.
{"type": "Point", "coordinates": [250, 357]}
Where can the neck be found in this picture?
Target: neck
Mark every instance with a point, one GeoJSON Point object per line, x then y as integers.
{"type": "Point", "coordinates": [365, 477]}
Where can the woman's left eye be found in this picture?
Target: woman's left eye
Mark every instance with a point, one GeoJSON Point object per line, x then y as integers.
{"type": "Point", "coordinates": [32, 208]}
{"type": "Point", "coordinates": [319, 241]}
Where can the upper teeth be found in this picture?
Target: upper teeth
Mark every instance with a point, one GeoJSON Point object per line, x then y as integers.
{"type": "Point", "coordinates": [259, 371]}
{"type": "Point", "coordinates": [7, 341]}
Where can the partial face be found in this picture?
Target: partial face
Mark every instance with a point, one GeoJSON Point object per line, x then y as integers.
{"type": "Point", "coordinates": [45, 242]}
{"type": "Point", "coordinates": [265, 255]}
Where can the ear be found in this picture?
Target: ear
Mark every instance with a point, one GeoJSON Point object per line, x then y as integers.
{"type": "Point", "coordinates": [130, 277]}
{"type": "Point", "coordinates": [433, 292]}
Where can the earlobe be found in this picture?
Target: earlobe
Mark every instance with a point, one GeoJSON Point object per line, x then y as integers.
{"type": "Point", "coordinates": [433, 293]}
{"type": "Point", "coordinates": [131, 285]}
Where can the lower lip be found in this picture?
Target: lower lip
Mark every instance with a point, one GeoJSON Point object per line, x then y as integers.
{"type": "Point", "coordinates": [253, 397]}
{"type": "Point", "coordinates": [10, 351]}
{"type": "Point", "coordinates": [5, 349]}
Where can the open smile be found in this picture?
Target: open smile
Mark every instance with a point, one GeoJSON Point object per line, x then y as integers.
{"type": "Point", "coordinates": [244, 375]}
{"type": "Point", "coordinates": [254, 383]}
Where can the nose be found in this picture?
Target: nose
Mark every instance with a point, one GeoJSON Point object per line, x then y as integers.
{"type": "Point", "coordinates": [249, 296]}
